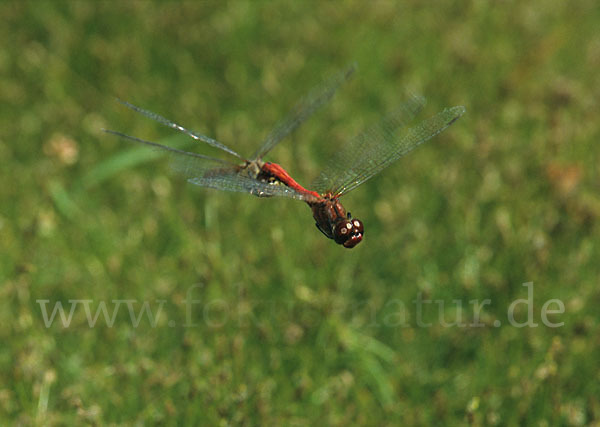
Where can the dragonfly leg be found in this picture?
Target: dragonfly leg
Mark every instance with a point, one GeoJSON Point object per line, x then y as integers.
{"type": "Point", "coordinates": [322, 231]}
{"type": "Point", "coordinates": [259, 193]}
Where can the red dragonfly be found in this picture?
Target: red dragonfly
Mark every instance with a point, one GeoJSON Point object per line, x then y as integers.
{"type": "Point", "coordinates": [362, 158]}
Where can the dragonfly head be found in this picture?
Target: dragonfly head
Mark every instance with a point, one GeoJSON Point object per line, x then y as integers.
{"type": "Point", "coordinates": [348, 232]}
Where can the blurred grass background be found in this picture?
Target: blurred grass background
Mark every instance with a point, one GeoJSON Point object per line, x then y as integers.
{"type": "Point", "coordinates": [292, 329]}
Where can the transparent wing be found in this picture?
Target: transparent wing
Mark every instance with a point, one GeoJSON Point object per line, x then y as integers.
{"type": "Point", "coordinates": [375, 149]}
{"type": "Point", "coordinates": [215, 173]}
{"type": "Point", "coordinates": [316, 98]}
{"type": "Point", "coordinates": [232, 181]}
{"type": "Point", "coordinates": [180, 128]}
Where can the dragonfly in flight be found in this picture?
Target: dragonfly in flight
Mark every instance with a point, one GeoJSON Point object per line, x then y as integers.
{"type": "Point", "coordinates": [359, 160]}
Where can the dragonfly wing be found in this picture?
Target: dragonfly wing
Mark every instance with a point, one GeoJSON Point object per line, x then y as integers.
{"type": "Point", "coordinates": [236, 181]}
{"type": "Point", "coordinates": [215, 173]}
{"type": "Point", "coordinates": [378, 147]}
{"type": "Point", "coordinates": [169, 123]}
{"type": "Point", "coordinates": [315, 99]}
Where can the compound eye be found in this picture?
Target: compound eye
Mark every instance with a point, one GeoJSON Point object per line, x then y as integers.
{"type": "Point", "coordinates": [348, 232]}
{"type": "Point", "coordinates": [358, 225]}
{"type": "Point", "coordinates": [342, 231]}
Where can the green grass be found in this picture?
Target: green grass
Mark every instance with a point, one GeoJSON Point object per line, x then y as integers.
{"type": "Point", "coordinates": [291, 329]}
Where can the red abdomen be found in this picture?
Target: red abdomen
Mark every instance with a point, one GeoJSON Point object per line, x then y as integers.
{"type": "Point", "coordinates": [280, 174]}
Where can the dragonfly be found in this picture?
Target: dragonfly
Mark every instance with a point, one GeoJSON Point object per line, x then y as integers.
{"type": "Point", "coordinates": [360, 159]}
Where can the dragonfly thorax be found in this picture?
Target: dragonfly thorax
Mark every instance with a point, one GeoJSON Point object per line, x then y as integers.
{"type": "Point", "coordinates": [333, 221]}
